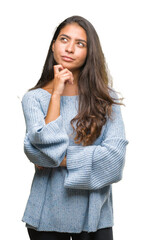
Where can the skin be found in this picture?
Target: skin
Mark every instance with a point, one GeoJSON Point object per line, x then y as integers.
{"type": "Point", "coordinates": [70, 51]}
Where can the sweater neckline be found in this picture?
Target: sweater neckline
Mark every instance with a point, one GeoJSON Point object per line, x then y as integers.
{"type": "Point", "coordinates": [64, 96]}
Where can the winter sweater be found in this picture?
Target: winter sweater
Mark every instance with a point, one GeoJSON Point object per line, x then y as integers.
{"type": "Point", "coordinates": [77, 197]}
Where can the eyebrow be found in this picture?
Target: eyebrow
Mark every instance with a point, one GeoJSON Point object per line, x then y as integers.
{"type": "Point", "coordinates": [70, 38]}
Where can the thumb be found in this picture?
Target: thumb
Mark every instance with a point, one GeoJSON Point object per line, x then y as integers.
{"type": "Point", "coordinates": [57, 68]}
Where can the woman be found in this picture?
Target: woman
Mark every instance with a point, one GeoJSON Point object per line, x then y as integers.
{"type": "Point", "coordinates": [75, 137]}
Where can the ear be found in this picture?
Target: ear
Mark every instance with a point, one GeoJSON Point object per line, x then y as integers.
{"type": "Point", "coordinates": [53, 46]}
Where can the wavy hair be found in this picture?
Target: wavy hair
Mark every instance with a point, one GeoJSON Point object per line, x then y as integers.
{"type": "Point", "coordinates": [94, 85]}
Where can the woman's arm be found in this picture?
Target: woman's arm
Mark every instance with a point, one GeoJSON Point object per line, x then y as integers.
{"type": "Point", "coordinates": [37, 157]}
{"type": "Point", "coordinates": [46, 133]}
{"type": "Point", "coordinates": [61, 77]}
{"type": "Point", "coordinates": [93, 167]}
{"type": "Point", "coordinates": [63, 164]}
{"type": "Point", "coordinates": [50, 139]}
{"type": "Point", "coordinates": [53, 111]}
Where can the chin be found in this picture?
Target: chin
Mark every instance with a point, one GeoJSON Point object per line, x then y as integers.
{"type": "Point", "coordinates": [66, 65]}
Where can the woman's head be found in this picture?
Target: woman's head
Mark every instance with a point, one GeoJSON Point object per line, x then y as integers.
{"type": "Point", "coordinates": [76, 46]}
{"type": "Point", "coordinates": [91, 52]}
{"type": "Point", "coordinates": [82, 29]}
{"type": "Point", "coordinates": [70, 47]}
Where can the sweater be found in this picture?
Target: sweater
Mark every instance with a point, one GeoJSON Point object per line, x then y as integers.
{"type": "Point", "coordinates": [77, 197]}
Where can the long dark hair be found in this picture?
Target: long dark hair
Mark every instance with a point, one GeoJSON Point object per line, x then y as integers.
{"type": "Point", "coordinates": [94, 85]}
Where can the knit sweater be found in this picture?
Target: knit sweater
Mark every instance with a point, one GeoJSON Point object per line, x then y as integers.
{"type": "Point", "coordinates": [77, 197]}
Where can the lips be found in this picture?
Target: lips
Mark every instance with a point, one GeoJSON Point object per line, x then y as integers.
{"type": "Point", "coordinates": [68, 59]}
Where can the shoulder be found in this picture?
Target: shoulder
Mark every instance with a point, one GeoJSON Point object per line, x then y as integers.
{"type": "Point", "coordinates": [32, 99]}
{"type": "Point", "coordinates": [30, 94]}
{"type": "Point", "coordinates": [35, 95]}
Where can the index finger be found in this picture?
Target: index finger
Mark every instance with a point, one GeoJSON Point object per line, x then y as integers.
{"type": "Point", "coordinates": [58, 68]}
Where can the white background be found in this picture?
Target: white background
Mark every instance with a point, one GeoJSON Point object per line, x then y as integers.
{"type": "Point", "coordinates": [26, 30]}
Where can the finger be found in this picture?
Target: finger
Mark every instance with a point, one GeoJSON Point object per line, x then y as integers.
{"type": "Point", "coordinates": [66, 71]}
{"type": "Point", "coordinates": [57, 68]}
{"type": "Point", "coordinates": [39, 167]}
{"type": "Point", "coordinates": [70, 78]}
{"type": "Point", "coordinates": [66, 77]}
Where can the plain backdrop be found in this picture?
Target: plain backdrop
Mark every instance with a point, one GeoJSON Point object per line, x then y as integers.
{"type": "Point", "coordinates": [26, 31]}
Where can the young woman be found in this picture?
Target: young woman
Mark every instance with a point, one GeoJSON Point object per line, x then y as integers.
{"type": "Point", "coordinates": [75, 137]}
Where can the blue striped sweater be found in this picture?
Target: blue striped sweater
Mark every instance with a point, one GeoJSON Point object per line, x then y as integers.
{"type": "Point", "coordinates": [77, 197]}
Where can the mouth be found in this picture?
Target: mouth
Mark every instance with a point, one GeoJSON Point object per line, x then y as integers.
{"type": "Point", "coordinates": [67, 59]}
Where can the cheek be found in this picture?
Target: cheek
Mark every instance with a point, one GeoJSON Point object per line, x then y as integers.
{"type": "Point", "coordinates": [56, 55]}
{"type": "Point", "coordinates": [83, 56]}
{"type": "Point", "coordinates": [57, 50]}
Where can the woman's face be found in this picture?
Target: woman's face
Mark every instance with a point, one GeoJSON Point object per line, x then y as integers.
{"type": "Point", "coordinates": [70, 47]}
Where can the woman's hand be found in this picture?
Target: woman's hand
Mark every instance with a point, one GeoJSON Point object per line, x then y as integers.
{"type": "Point", "coordinates": [61, 77]}
{"type": "Point", "coordinates": [39, 167]}
{"type": "Point", "coordinates": [63, 164]}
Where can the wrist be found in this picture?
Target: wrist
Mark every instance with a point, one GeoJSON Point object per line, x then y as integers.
{"type": "Point", "coordinates": [55, 94]}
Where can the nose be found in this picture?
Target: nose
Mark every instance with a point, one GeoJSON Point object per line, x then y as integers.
{"type": "Point", "coordinates": [70, 47]}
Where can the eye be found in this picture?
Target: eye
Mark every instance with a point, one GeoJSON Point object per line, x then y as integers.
{"type": "Point", "coordinates": [63, 39]}
{"type": "Point", "coordinates": [81, 44]}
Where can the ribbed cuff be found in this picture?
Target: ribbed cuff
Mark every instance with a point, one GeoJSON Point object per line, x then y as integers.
{"type": "Point", "coordinates": [77, 156]}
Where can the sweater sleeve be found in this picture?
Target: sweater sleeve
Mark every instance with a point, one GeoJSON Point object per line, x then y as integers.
{"type": "Point", "coordinates": [44, 144]}
{"type": "Point", "coordinates": [96, 166]}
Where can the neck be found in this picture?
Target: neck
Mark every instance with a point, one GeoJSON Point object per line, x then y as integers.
{"type": "Point", "coordinates": [75, 76]}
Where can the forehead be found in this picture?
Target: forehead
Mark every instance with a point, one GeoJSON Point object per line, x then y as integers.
{"type": "Point", "coordinates": [73, 30]}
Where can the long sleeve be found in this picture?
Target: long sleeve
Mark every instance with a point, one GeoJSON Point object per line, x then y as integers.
{"type": "Point", "coordinates": [96, 166]}
{"type": "Point", "coordinates": [36, 156]}
{"type": "Point", "coordinates": [44, 144]}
